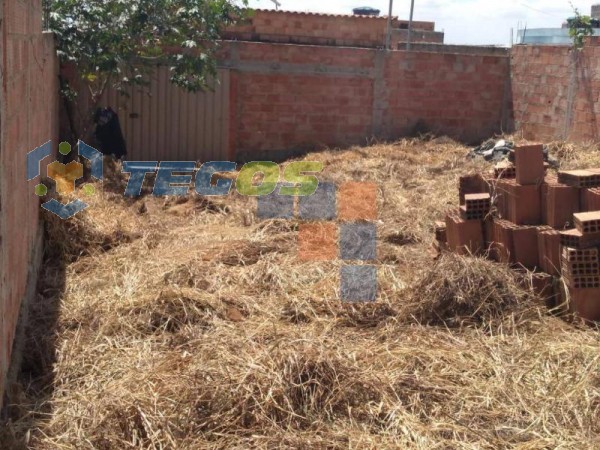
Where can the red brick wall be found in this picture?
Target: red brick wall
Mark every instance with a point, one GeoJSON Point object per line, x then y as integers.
{"type": "Point", "coordinates": [28, 118]}
{"type": "Point", "coordinates": [279, 112]}
{"type": "Point", "coordinates": [282, 111]}
{"type": "Point", "coordinates": [555, 92]}
{"type": "Point", "coordinates": [322, 29]}
{"type": "Point", "coordinates": [460, 95]}
{"type": "Point", "coordinates": [298, 97]}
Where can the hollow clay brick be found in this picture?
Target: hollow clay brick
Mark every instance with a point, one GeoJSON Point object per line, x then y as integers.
{"type": "Point", "coordinates": [579, 178]}
{"type": "Point", "coordinates": [588, 222]}
{"type": "Point", "coordinates": [525, 205]}
{"type": "Point", "coordinates": [559, 203]}
{"type": "Point", "coordinates": [525, 246]}
{"type": "Point", "coordinates": [590, 199]}
{"type": "Point", "coordinates": [464, 236]}
{"type": "Point", "coordinates": [585, 303]}
{"type": "Point", "coordinates": [529, 163]}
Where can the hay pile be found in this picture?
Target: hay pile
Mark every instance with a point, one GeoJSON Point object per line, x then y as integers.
{"type": "Point", "coordinates": [469, 291]}
{"type": "Point", "coordinates": [202, 329]}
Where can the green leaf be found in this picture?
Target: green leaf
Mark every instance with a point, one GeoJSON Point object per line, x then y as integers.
{"type": "Point", "coordinates": [124, 39]}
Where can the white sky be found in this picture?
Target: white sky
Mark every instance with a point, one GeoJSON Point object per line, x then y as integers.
{"type": "Point", "coordinates": [464, 21]}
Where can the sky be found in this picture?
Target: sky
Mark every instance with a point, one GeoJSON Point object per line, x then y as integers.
{"type": "Point", "coordinates": [476, 22]}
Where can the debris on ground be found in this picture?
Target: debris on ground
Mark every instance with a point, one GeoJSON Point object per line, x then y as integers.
{"type": "Point", "coordinates": [492, 150]}
{"type": "Point", "coordinates": [499, 150]}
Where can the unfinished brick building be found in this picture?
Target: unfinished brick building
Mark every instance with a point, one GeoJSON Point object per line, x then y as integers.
{"type": "Point", "coordinates": [286, 27]}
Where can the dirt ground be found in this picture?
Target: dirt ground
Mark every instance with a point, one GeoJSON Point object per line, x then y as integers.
{"type": "Point", "coordinates": [190, 324]}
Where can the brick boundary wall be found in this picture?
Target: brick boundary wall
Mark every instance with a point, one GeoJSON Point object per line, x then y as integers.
{"type": "Point", "coordinates": [555, 91]}
{"type": "Point", "coordinates": [28, 118]}
{"type": "Point", "coordinates": [288, 98]}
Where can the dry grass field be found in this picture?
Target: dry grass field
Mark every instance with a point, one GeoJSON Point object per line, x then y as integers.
{"type": "Point", "coordinates": [190, 324]}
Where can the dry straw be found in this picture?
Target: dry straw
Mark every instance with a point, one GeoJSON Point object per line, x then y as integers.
{"type": "Point", "coordinates": [187, 324]}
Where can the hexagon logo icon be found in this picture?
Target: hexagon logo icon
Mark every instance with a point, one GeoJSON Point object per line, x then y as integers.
{"type": "Point", "coordinates": [64, 175]}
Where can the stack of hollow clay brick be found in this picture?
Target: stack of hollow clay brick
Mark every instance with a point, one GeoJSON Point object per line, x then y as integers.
{"type": "Point", "coordinates": [519, 214]}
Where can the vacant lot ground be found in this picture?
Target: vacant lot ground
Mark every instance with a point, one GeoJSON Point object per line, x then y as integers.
{"type": "Point", "coordinates": [188, 324]}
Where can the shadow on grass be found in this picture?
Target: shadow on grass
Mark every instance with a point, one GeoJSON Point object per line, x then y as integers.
{"type": "Point", "coordinates": [27, 397]}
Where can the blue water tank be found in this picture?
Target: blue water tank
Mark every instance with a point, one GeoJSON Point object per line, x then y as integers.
{"type": "Point", "coordinates": [366, 11]}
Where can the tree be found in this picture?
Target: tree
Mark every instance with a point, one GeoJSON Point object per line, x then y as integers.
{"type": "Point", "coordinates": [580, 26]}
{"type": "Point", "coordinates": [117, 43]}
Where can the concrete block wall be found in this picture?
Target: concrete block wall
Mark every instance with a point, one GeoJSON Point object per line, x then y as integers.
{"type": "Point", "coordinates": [293, 97]}
{"type": "Point", "coordinates": [556, 91]}
{"type": "Point", "coordinates": [28, 118]}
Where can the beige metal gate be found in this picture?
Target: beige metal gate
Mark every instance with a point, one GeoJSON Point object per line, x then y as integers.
{"type": "Point", "coordinates": [162, 122]}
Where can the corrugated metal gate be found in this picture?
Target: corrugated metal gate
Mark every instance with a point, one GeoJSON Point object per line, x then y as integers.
{"type": "Point", "coordinates": [162, 122]}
